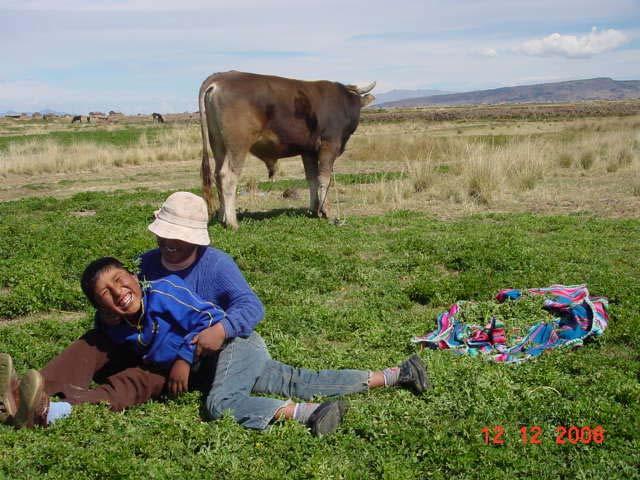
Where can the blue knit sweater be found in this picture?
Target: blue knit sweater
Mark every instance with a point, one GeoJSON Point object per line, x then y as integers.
{"type": "Point", "coordinates": [171, 317]}
{"type": "Point", "coordinates": [216, 278]}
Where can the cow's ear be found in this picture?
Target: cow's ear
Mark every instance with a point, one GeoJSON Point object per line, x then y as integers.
{"type": "Point", "coordinates": [366, 100]}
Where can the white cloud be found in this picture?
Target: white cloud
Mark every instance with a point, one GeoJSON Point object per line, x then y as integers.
{"type": "Point", "coordinates": [137, 55]}
{"type": "Point", "coordinates": [571, 46]}
{"type": "Point", "coordinates": [486, 52]}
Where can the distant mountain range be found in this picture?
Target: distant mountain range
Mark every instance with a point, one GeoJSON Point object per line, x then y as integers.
{"type": "Point", "coordinates": [572, 91]}
{"type": "Point", "coordinates": [395, 95]}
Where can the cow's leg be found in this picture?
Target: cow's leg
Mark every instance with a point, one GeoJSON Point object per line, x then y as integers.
{"type": "Point", "coordinates": [271, 164]}
{"type": "Point", "coordinates": [310, 161]}
{"type": "Point", "coordinates": [227, 182]}
{"type": "Point", "coordinates": [326, 157]}
{"type": "Point", "coordinates": [219, 154]}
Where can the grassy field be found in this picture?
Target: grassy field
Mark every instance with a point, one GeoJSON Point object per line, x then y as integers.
{"type": "Point", "coordinates": [450, 168]}
{"type": "Point", "coordinates": [351, 295]}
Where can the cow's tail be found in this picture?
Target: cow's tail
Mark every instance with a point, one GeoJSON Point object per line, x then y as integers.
{"type": "Point", "coordinates": [205, 167]}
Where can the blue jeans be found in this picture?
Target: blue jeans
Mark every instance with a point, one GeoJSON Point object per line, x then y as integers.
{"type": "Point", "coordinates": [245, 367]}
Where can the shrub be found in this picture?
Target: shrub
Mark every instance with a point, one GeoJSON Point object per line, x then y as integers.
{"type": "Point", "coordinates": [565, 160]}
{"type": "Point", "coordinates": [481, 185]}
{"type": "Point", "coordinates": [624, 158]}
{"type": "Point", "coordinates": [587, 159]}
{"type": "Point", "coordinates": [421, 174]}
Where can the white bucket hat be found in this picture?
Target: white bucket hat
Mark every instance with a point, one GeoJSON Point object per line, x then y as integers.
{"type": "Point", "coordinates": [183, 216]}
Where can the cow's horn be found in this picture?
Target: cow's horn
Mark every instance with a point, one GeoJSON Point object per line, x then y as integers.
{"type": "Point", "coordinates": [366, 89]}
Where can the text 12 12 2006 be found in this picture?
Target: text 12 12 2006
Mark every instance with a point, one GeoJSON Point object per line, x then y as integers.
{"type": "Point", "coordinates": [534, 435]}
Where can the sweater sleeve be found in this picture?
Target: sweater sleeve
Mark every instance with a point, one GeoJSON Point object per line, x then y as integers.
{"type": "Point", "coordinates": [243, 308]}
{"type": "Point", "coordinates": [182, 308]}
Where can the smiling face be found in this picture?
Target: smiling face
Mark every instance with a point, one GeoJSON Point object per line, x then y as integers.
{"type": "Point", "coordinates": [118, 292]}
{"type": "Point", "coordinates": [176, 252]}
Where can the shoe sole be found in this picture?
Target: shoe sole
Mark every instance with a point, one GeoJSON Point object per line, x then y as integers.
{"type": "Point", "coordinates": [421, 373]}
{"type": "Point", "coordinates": [8, 378]}
{"type": "Point", "coordinates": [31, 388]}
{"type": "Point", "coordinates": [331, 419]}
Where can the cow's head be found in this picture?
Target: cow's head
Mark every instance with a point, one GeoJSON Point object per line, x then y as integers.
{"type": "Point", "coordinates": [366, 100]}
{"type": "Point", "coordinates": [363, 92]}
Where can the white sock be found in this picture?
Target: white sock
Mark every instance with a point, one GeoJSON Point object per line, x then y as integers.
{"type": "Point", "coordinates": [391, 376]}
{"type": "Point", "coordinates": [58, 410]}
{"type": "Point", "coordinates": [303, 411]}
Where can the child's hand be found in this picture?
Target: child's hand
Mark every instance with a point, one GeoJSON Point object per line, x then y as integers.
{"type": "Point", "coordinates": [209, 340]}
{"type": "Point", "coordinates": [179, 377]}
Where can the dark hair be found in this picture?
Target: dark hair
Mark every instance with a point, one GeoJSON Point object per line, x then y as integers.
{"type": "Point", "coordinates": [93, 271]}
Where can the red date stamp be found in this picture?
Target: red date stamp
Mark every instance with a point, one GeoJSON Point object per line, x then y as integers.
{"type": "Point", "coordinates": [534, 435]}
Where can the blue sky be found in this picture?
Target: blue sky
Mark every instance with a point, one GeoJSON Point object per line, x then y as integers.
{"type": "Point", "coordinates": [139, 56]}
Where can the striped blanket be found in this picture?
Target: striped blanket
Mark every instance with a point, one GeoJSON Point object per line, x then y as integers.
{"type": "Point", "coordinates": [575, 316]}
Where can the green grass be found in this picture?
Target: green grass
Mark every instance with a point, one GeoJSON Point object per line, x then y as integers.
{"type": "Point", "coordinates": [121, 137]}
{"type": "Point", "coordinates": [346, 296]}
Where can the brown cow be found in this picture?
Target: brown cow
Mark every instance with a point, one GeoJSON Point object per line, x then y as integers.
{"type": "Point", "coordinates": [274, 117]}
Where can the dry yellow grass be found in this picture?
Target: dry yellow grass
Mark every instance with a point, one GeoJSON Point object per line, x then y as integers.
{"type": "Point", "coordinates": [450, 168]}
{"type": "Point", "coordinates": [482, 165]}
{"type": "Point", "coordinates": [44, 155]}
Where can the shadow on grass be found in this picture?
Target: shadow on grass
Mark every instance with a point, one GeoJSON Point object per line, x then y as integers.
{"type": "Point", "coordinates": [275, 213]}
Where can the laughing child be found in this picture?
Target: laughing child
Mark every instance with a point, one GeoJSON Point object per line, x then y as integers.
{"type": "Point", "coordinates": [160, 321]}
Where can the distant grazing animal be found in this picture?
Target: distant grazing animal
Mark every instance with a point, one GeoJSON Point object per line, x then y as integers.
{"type": "Point", "coordinates": [157, 117]}
{"type": "Point", "coordinates": [274, 117]}
{"type": "Point", "coordinates": [76, 118]}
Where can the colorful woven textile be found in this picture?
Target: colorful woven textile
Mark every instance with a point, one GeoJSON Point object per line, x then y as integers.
{"type": "Point", "coordinates": [576, 317]}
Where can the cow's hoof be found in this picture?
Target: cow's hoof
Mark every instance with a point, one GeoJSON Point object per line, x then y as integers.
{"type": "Point", "coordinates": [230, 225]}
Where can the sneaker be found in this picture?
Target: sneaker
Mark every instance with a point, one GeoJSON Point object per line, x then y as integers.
{"type": "Point", "coordinates": [8, 388]}
{"type": "Point", "coordinates": [34, 402]}
{"type": "Point", "coordinates": [413, 374]}
{"type": "Point", "coordinates": [327, 417]}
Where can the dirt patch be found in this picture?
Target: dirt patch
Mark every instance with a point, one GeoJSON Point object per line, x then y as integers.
{"type": "Point", "coordinates": [59, 316]}
{"type": "Point", "coordinates": [83, 213]}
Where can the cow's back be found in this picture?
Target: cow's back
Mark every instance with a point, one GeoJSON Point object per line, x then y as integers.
{"type": "Point", "coordinates": [298, 113]}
